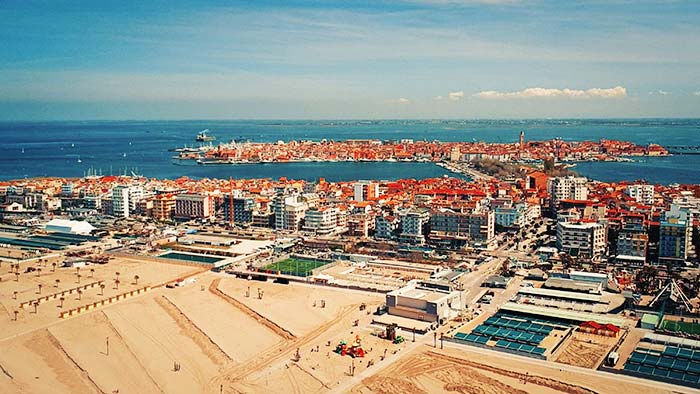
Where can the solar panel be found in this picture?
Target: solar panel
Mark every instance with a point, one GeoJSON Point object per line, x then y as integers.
{"type": "Point", "coordinates": [482, 340]}
{"type": "Point", "coordinates": [660, 372]}
{"type": "Point", "coordinates": [694, 368]}
{"type": "Point", "coordinates": [646, 369]}
{"type": "Point", "coordinates": [503, 344]}
{"type": "Point", "coordinates": [671, 351]}
{"type": "Point", "coordinates": [685, 353]}
{"type": "Point", "coordinates": [665, 362]}
{"type": "Point", "coordinates": [675, 375]}
{"type": "Point", "coordinates": [691, 378]}
{"type": "Point", "coordinates": [680, 365]}
{"type": "Point", "coordinates": [539, 350]}
{"type": "Point", "coordinates": [632, 367]}
{"type": "Point", "coordinates": [636, 358]}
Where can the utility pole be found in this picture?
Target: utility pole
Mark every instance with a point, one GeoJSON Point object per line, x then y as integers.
{"type": "Point", "coordinates": [108, 346]}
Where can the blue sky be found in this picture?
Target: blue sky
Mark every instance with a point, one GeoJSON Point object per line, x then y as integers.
{"type": "Point", "coordinates": [363, 59]}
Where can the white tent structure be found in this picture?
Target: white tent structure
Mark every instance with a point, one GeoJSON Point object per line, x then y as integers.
{"type": "Point", "coordinates": [69, 226]}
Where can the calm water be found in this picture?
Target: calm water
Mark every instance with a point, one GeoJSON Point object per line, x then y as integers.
{"type": "Point", "coordinates": [32, 149]}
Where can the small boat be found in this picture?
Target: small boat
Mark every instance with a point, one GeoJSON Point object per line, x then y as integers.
{"type": "Point", "coordinates": [203, 137]}
{"type": "Point", "coordinates": [124, 155]}
{"type": "Point", "coordinates": [79, 161]}
{"type": "Point", "coordinates": [22, 150]}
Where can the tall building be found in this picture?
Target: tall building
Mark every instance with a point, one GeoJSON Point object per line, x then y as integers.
{"type": "Point", "coordinates": [643, 194]}
{"type": "Point", "coordinates": [359, 225]}
{"type": "Point", "coordinates": [516, 215]}
{"type": "Point", "coordinates": [385, 227]}
{"type": "Point", "coordinates": [321, 221]}
{"type": "Point", "coordinates": [193, 206]}
{"type": "Point", "coordinates": [567, 188]}
{"type": "Point", "coordinates": [365, 190]}
{"type": "Point", "coordinates": [675, 237]}
{"type": "Point", "coordinates": [120, 201]}
{"type": "Point", "coordinates": [455, 154]}
{"type": "Point", "coordinates": [452, 229]}
{"type": "Point", "coordinates": [632, 241]}
{"type": "Point", "coordinates": [414, 224]}
{"type": "Point", "coordinates": [288, 211]}
{"type": "Point", "coordinates": [586, 240]}
{"type": "Point", "coordinates": [163, 206]}
{"type": "Point", "coordinates": [243, 208]}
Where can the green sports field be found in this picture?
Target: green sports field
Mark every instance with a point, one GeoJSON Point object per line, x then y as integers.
{"type": "Point", "coordinates": [297, 267]}
{"type": "Point", "coordinates": [679, 326]}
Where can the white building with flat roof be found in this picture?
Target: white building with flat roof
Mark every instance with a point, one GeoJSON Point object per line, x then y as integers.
{"type": "Point", "coordinates": [425, 300]}
{"type": "Point", "coordinates": [587, 240]}
{"type": "Point", "coordinates": [643, 194]}
{"type": "Point", "coordinates": [567, 188]}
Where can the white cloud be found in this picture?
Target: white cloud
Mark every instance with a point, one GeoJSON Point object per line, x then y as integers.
{"type": "Point", "coordinates": [437, 98]}
{"type": "Point", "coordinates": [616, 92]}
{"type": "Point", "coordinates": [697, 93]}
{"type": "Point", "coordinates": [402, 100]}
{"type": "Point", "coordinates": [663, 92]}
{"type": "Point", "coordinates": [455, 96]}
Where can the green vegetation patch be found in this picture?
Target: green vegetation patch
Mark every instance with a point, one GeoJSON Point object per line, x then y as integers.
{"type": "Point", "coordinates": [681, 326]}
{"type": "Point", "coordinates": [297, 267]}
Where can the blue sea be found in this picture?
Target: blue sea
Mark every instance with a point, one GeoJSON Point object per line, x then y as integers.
{"type": "Point", "coordinates": [71, 149]}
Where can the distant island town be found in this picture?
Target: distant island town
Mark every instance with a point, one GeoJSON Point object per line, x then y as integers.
{"type": "Point", "coordinates": [409, 150]}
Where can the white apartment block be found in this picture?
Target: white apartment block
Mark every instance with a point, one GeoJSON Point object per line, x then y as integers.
{"type": "Point", "coordinates": [643, 194]}
{"type": "Point", "coordinates": [586, 240]}
{"type": "Point", "coordinates": [321, 221]}
{"type": "Point", "coordinates": [567, 188]}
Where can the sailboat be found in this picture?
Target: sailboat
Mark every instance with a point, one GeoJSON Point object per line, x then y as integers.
{"type": "Point", "coordinates": [22, 150]}
{"type": "Point", "coordinates": [79, 160]}
{"type": "Point", "coordinates": [124, 155]}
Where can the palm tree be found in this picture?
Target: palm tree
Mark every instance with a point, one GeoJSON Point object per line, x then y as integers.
{"type": "Point", "coordinates": [53, 267]}
{"type": "Point", "coordinates": [36, 304]}
{"type": "Point", "coordinates": [116, 282]}
{"type": "Point", "coordinates": [102, 289]}
{"type": "Point", "coordinates": [40, 286]}
{"type": "Point", "coordinates": [62, 299]}
{"type": "Point", "coordinates": [77, 270]}
{"type": "Point", "coordinates": [57, 282]}
{"type": "Point", "coordinates": [92, 272]}
{"type": "Point", "coordinates": [16, 313]}
{"type": "Point", "coordinates": [79, 278]}
{"type": "Point", "coordinates": [80, 294]}
{"type": "Point", "coordinates": [136, 279]}
{"type": "Point", "coordinates": [14, 294]}
{"type": "Point", "coordinates": [38, 272]}
{"type": "Point", "coordinates": [16, 276]}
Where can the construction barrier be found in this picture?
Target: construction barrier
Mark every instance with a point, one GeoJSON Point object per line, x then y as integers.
{"type": "Point", "coordinates": [118, 297]}
{"type": "Point", "coordinates": [55, 296]}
